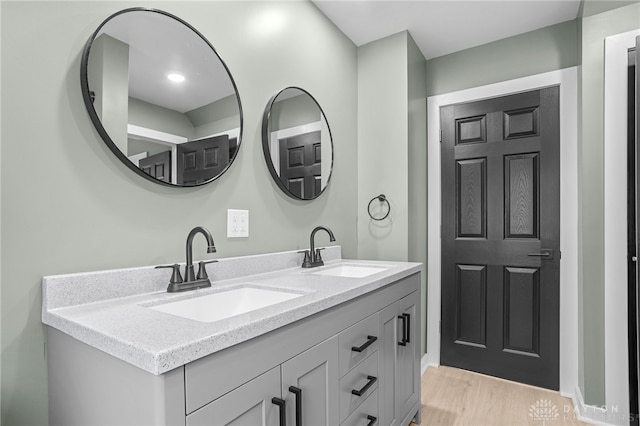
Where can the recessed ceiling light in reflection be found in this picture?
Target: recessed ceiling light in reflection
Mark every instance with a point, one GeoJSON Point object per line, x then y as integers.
{"type": "Point", "coordinates": [176, 78]}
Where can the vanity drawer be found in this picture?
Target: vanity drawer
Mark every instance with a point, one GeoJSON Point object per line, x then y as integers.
{"type": "Point", "coordinates": [362, 379]}
{"type": "Point", "coordinates": [366, 413]}
{"type": "Point", "coordinates": [365, 335]}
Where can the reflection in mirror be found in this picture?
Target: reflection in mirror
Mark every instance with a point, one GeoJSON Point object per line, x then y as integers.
{"type": "Point", "coordinates": [161, 97]}
{"type": "Point", "coordinates": [297, 143]}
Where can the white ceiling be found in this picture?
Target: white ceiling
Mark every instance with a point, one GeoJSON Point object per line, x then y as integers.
{"type": "Point", "coordinates": [440, 27]}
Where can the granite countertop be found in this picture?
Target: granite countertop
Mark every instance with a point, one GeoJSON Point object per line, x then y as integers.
{"type": "Point", "coordinates": [123, 325]}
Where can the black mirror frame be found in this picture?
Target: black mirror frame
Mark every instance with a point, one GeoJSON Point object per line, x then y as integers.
{"type": "Point", "coordinates": [88, 97]}
{"type": "Point", "coordinates": [265, 144]}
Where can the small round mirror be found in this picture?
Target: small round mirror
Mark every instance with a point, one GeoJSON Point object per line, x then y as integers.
{"type": "Point", "coordinates": [297, 143]}
{"type": "Point", "coordinates": [161, 98]}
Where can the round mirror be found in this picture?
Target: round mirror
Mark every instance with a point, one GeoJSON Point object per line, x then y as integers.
{"type": "Point", "coordinates": [161, 98]}
{"type": "Point", "coordinates": [297, 143]}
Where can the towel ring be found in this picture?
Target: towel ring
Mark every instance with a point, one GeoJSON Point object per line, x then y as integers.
{"type": "Point", "coordinates": [382, 199]}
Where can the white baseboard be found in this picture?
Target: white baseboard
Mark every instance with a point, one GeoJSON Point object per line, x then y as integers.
{"type": "Point", "coordinates": [425, 363]}
{"type": "Point", "coordinates": [596, 415]}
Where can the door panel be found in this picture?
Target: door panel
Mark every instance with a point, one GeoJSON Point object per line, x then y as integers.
{"type": "Point", "coordinates": [158, 166]}
{"type": "Point", "coordinates": [250, 404]}
{"type": "Point", "coordinates": [408, 359]}
{"type": "Point", "coordinates": [398, 367]}
{"type": "Point", "coordinates": [471, 305]}
{"type": "Point", "coordinates": [521, 180]}
{"type": "Point", "coordinates": [522, 310]}
{"type": "Point", "coordinates": [300, 160]}
{"type": "Point", "coordinates": [471, 190]}
{"type": "Point", "coordinates": [202, 160]}
{"type": "Point", "coordinates": [315, 372]}
{"type": "Point", "coordinates": [500, 213]}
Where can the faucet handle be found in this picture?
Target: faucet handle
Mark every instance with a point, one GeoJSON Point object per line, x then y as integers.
{"type": "Point", "coordinates": [318, 256]}
{"type": "Point", "coordinates": [202, 270]}
{"type": "Point", "coordinates": [306, 263]}
{"type": "Point", "coordinates": [176, 278]}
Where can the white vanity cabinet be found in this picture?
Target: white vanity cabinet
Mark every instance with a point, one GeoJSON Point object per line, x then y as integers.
{"type": "Point", "coordinates": [346, 360]}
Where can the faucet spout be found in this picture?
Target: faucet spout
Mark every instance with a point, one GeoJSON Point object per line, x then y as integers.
{"type": "Point", "coordinates": [189, 272]}
{"type": "Point", "coordinates": [312, 244]}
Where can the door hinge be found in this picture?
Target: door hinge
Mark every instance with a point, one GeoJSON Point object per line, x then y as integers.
{"type": "Point", "coordinates": [440, 135]}
{"type": "Point", "coordinates": [560, 254]}
{"type": "Point", "coordinates": [440, 327]}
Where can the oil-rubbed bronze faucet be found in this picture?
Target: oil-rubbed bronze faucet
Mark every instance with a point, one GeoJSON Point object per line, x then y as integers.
{"type": "Point", "coordinates": [312, 257]}
{"type": "Point", "coordinates": [191, 280]}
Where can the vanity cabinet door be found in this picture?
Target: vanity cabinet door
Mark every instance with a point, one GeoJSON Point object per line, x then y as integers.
{"type": "Point", "coordinates": [399, 360]}
{"type": "Point", "coordinates": [250, 404]}
{"type": "Point", "coordinates": [315, 373]}
{"type": "Point", "coordinates": [408, 366]}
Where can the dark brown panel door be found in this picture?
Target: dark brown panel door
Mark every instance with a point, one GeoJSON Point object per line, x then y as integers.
{"type": "Point", "coordinates": [300, 159]}
{"type": "Point", "coordinates": [501, 237]}
{"type": "Point", "coordinates": [158, 166]}
{"type": "Point", "coordinates": [202, 160]}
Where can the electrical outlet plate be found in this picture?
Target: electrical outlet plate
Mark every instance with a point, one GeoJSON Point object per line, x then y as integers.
{"type": "Point", "coordinates": [237, 223]}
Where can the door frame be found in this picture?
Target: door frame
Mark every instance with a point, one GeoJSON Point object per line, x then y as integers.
{"type": "Point", "coordinates": [567, 79]}
{"type": "Point", "coordinates": [615, 222]}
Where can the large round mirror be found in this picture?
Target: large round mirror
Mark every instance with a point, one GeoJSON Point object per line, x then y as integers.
{"type": "Point", "coordinates": [161, 97]}
{"type": "Point", "coordinates": [297, 143]}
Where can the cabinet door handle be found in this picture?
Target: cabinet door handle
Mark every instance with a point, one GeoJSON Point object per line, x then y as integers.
{"type": "Point", "coordinates": [371, 381]}
{"type": "Point", "coordinates": [403, 342]}
{"type": "Point", "coordinates": [372, 420]}
{"type": "Point", "coordinates": [365, 345]}
{"type": "Point", "coordinates": [408, 325]}
{"type": "Point", "coordinates": [281, 403]}
{"type": "Point", "coordinates": [298, 393]}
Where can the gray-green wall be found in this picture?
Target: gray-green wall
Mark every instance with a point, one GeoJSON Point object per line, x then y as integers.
{"type": "Point", "coordinates": [77, 208]}
{"type": "Point", "coordinates": [292, 112]}
{"type": "Point", "coordinates": [216, 117]}
{"type": "Point", "coordinates": [382, 142]}
{"type": "Point", "coordinates": [150, 116]}
{"type": "Point", "coordinates": [535, 52]}
{"type": "Point", "coordinates": [595, 29]}
{"type": "Point", "coordinates": [392, 152]}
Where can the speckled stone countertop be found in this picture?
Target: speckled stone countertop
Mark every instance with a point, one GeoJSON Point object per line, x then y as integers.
{"type": "Point", "coordinates": [109, 310]}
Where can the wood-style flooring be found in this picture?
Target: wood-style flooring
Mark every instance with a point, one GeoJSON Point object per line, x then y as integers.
{"type": "Point", "coordinates": [457, 397]}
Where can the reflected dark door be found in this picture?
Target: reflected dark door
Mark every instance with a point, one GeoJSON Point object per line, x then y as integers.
{"type": "Point", "coordinates": [300, 159]}
{"type": "Point", "coordinates": [158, 166]}
{"type": "Point", "coordinates": [202, 160]}
{"type": "Point", "coordinates": [501, 237]}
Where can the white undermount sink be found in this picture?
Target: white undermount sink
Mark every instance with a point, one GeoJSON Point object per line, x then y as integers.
{"type": "Point", "coordinates": [351, 271]}
{"type": "Point", "coordinates": [225, 304]}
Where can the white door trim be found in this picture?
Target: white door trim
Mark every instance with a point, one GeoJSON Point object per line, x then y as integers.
{"type": "Point", "coordinates": [568, 80]}
{"type": "Point", "coordinates": [615, 225]}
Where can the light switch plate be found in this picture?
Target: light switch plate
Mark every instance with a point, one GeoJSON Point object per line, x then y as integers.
{"type": "Point", "coordinates": [237, 223]}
